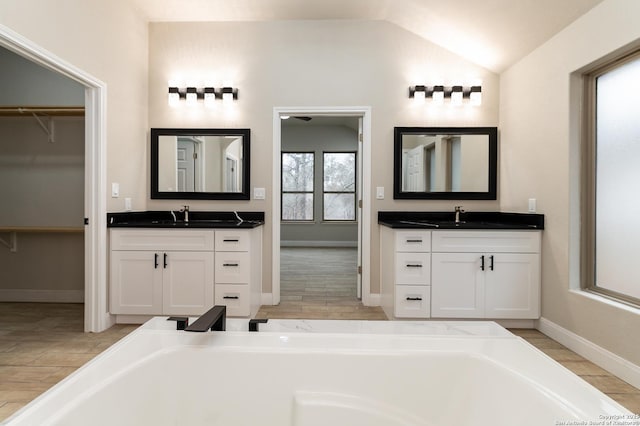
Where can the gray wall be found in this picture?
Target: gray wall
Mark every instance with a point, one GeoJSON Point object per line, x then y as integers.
{"type": "Point", "coordinates": [23, 83]}
{"type": "Point", "coordinates": [307, 137]}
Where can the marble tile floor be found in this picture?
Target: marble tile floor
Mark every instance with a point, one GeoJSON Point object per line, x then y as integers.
{"type": "Point", "coordinates": [40, 344]}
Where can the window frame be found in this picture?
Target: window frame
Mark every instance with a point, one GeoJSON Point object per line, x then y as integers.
{"type": "Point", "coordinates": [589, 180]}
{"type": "Point", "coordinates": [354, 192]}
{"type": "Point", "coordinates": [312, 191]}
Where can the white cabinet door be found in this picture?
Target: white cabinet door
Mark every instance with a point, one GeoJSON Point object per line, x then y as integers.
{"type": "Point", "coordinates": [457, 285]}
{"type": "Point", "coordinates": [136, 283]}
{"type": "Point", "coordinates": [512, 288]}
{"type": "Point", "coordinates": [188, 282]}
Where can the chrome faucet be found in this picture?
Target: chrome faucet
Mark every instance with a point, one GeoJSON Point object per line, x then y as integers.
{"type": "Point", "coordinates": [458, 211]}
{"type": "Point", "coordinates": [186, 214]}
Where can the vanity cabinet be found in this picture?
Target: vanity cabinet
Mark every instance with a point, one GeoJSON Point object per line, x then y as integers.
{"type": "Point", "coordinates": [406, 273]}
{"type": "Point", "coordinates": [485, 274]}
{"type": "Point", "coordinates": [185, 272]}
{"type": "Point", "coordinates": [460, 274]}
{"type": "Point", "coordinates": [237, 266]}
{"type": "Point", "coordinates": [160, 272]}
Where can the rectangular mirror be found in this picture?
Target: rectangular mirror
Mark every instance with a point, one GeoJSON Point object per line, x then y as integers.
{"type": "Point", "coordinates": [200, 164]}
{"type": "Point", "coordinates": [445, 163]}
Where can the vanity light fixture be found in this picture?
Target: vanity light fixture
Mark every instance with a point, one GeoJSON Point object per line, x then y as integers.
{"type": "Point", "coordinates": [475, 95]}
{"type": "Point", "coordinates": [229, 94]}
{"type": "Point", "coordinates": [192, 96]}
{"type": "Point", "coordinates": [174, 96]}
{"type": "Point", "coordinates": [438, 95]}
{"type": "Point", "coordinates": [208, 94]}
{"type": "Point", "coordinates": [456, 94]}
{"type": "Point", "coordinates": [418, 93]}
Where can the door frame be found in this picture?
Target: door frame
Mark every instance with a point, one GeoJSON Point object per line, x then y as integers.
{"type": "Point", "coordinates": [96, 314]}
{"type": "Point", "coordinates": [363, 112]}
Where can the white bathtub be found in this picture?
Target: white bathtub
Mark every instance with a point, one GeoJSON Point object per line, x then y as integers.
{"type": "Point", "coordinates": [306, 373]}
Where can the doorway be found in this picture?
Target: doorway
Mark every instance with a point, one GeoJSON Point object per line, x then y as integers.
{"type": "Point", "coordinates": [96, 316]}
{"type": "Point", "coordinates": [359, 119]}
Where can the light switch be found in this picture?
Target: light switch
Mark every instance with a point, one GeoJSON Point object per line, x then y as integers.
{"type": "Point", "coordinates": [380, 192]}
{"type": "Point", "coordinates": [259, 193]}
{"type": "Point", "coordinates": [115, 190]}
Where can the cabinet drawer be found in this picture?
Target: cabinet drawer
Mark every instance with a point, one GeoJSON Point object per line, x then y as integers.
{"type": "Point", "coordinates": [413, 268]}
{"type": "Point", "coordinates": [413, 241]}
{"type": "Point", "coordinates": [232, 240]}
{"type": "Point", "coordinates": [235, 297]}
{"type": "Point", "coordinates": [486, 241]}
{"type": "Point", "coordinates": [163, 240]}
{"type": "Point", "coordinates": [412, 301]}
{"type": "Point", "coordinates": [232, 267]}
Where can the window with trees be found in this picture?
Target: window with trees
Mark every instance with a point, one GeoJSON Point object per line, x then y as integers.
{"type": "Point", "coordinates": [339, 186]}
{"type": "Point", "coordinates": [297, 186]}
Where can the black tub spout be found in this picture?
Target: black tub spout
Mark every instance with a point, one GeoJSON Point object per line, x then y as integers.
{"type": "Point", "coordinates": [215, 319]}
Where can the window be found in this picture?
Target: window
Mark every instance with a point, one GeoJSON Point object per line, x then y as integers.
{"type": "Point", "coordinates": [297, 186]}
{"type": "Point", "coordinates": [339, 186]}
{"type": "Point", "coordinates": [611, 235]}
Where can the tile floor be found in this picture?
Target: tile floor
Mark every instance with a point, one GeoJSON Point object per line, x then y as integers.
{"type": "Point", "coordinates": [319, 283]}
{"type": "Point", "coordinates": [40, 344]}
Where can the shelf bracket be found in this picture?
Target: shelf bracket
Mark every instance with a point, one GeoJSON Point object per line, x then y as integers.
{"type": "Point", "coordinates": [12, 242]}
{"type": "Point", "coordinates": [48, 128]}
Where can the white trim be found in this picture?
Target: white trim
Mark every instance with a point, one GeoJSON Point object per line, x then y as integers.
{"type": "Point", "coordinates": [298, 243]}
{"type": "Point", "coordinates": [620, 367]}
{"type": "Point", "coordinates": [266, 299]}
{"type": "Point", "coordinates": [365, 113]}
{"type": "Point", "coordinates": [97, 317]}
{"type": "Point", "coordinates": [52, 296]}
{"type": "Point", "coordinates": [374, 299]}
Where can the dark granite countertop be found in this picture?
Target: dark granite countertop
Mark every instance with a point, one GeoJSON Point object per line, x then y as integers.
{"type": "Point", "coordinates": [468, 220]}
{"type": "Point", "coordinates": [197, 219]}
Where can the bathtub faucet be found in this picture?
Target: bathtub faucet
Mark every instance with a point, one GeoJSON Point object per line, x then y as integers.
{"type": "Point", "coordinates": [215, 319]}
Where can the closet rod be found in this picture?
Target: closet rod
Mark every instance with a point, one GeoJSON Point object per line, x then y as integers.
{"type": "Point", "coordinates": [51, 111]}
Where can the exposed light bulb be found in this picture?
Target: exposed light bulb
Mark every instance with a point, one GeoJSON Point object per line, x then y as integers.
{"type": "Point", "coordinates": [192, 96]}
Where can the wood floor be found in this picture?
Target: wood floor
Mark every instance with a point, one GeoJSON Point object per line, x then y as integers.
{"type": "Point", "coordinates": [40, 344]}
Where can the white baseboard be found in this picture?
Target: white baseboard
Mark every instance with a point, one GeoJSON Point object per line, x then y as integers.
{"type": "Point", "coordinates": [266, 299]}
{"type": "Point", "coordinates": [374, 299]}
{"type": "Point", "coordinates": [318, 244]}
{"type": "Point", "coordinates": [51, 296]}
{"type": "Point", "coordinates": [616, 365]}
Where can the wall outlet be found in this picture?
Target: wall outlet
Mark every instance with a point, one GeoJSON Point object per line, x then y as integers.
{"type": "Point", "coordinates": [259, 193]}
{"type": "Point", "coordinates": [115, 190]}
{"type": "Point", "coordinates": [380, 192]}
{"type": "Point", "coordinates": [127, 204]}
{"type": "Point", "coordinates": [532, 205]}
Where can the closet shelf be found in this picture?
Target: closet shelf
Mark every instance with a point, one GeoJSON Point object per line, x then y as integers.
{"type": "Point", "coordinates": [12, 233]}
{"type": "Point", "coordinates": [17, 111]}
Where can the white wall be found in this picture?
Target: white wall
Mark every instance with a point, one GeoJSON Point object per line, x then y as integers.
{"type": "Point", "coordinates": [310, 63]}
{"type": "Point", "coordinates": [540, 158]}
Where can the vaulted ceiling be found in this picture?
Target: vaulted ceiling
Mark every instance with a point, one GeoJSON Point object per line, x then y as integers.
{"type": "Point", "coordinates": [492, 33]}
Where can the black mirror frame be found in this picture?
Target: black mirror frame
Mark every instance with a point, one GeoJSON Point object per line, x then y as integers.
{"type": "Point", "coordinates": [246, 170]}
{"type": "Point", "coordinates": [491, 194]}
